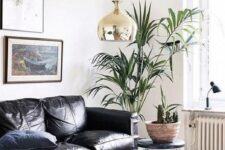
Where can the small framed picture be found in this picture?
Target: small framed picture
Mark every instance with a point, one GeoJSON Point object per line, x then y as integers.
{"type": "Point", "coordinates": [22, 15]}
{"type": "Point", "coordinates": [30, 60]}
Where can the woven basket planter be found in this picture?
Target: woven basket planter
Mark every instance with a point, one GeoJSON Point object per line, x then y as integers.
{"type": "Point", "coordinates": [162, 133]}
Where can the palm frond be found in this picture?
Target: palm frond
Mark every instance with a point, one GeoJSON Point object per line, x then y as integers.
{"type": "Point", "coordinates": [146, 26]}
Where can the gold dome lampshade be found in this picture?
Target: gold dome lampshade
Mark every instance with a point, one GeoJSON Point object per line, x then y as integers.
{"type": "Point", "coordinates": [117, 26]}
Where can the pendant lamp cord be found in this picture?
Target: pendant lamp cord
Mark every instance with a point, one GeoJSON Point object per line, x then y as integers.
{"type": "Point", "coordinates": [116, 3]}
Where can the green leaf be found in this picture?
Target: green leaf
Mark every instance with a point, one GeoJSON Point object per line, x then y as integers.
{"type": "Point", "coordinates": [166, 27]}
{"type": "Point", "coordinates": [160, 23]}
{"type": "Point", "coordinates": [171, 65]}
{"type": "Point", "coordinates": [105, 97]}
{"type": "Point", "coordinates": [172, 107]}
{"type": "Point", "coordinates": [170, 25]}
{"type": "Point", "coordinates": [140, 14]}
{"type": "Point", "coordinates": [136, 16]}
{"type": "Point", "coordinates": [180, 17]}
{"type": "Point", "coordinates": [163, 98]}
{"type": "Point", "coordinates": [187, 30]}
{"type": "Point", "coordinates": [181, 38]}
{"type": "Point", "coordinates": [172, 14]}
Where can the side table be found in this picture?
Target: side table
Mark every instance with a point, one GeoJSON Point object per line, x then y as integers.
{"type": "Point", "coordinates": [148, 144]}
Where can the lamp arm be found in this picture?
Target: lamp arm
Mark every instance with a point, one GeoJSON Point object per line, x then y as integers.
{"type": "Point", "coordinates": [207, 99]}
{"type": "Point", "coordinates": [209, 91]}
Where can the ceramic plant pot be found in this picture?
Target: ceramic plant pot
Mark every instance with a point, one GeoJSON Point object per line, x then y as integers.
{"type": "Point", "coordinates": [162, 133]}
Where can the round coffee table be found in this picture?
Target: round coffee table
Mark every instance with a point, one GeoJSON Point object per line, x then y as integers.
{"type": "Point", "coordinates": [148, 144]}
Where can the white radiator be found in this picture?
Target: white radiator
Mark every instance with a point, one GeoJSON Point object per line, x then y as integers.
{"type": "Point", "coordinates": [210, 133]}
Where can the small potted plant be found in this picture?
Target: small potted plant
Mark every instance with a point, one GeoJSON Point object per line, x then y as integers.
{"type": "Point", "coordinates": [166, 128]}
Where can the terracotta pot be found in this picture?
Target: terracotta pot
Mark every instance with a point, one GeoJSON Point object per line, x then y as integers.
{"type": "Point", "coordinates": [162, 133]}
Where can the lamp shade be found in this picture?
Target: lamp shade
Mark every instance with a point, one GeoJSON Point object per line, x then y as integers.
{"type": "Point", "coordinates": [117, 26]}
{"type": "Point", "coordinates": [215, 88]}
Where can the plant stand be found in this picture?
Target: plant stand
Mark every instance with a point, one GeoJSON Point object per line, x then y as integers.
{"type": "Point", "coordinates": [148, 144]}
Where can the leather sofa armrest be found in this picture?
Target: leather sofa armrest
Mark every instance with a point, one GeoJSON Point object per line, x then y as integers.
{"type": "Point", "coordinates": [114, 120]}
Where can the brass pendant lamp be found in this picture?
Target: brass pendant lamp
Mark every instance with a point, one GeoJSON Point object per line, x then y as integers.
{"type": "Point", "coordinates": [117, 26]}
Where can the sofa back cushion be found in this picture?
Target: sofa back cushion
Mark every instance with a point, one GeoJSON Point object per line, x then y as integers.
{"type": "Point", "coordinates": [65, 115]}
{"type": "Point", "coordinates": [23, 114]}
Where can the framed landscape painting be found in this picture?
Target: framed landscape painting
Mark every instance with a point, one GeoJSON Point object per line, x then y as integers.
{"type": "Point", "coordinates": [22, 15]}
{"type": "Point", "coordinates": [30, 60]}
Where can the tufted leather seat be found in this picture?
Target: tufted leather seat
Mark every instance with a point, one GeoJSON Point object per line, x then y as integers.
{"type": "Point", "coordinates": [103, 139]}
{"type": "Point", "coordinates": [67, 146]}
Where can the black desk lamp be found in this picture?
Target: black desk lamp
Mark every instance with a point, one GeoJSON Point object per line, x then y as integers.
{"type": "Point", "coordinates": [213, 88]}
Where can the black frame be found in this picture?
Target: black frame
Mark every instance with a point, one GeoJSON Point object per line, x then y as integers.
{"type": "Point", "coordinates": [1, 20]}
{"type": "Point", "coordinates": [5, 64]}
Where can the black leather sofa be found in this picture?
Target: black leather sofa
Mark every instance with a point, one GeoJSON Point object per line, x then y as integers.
{"type": "Point", "coordinates": [74, 125]}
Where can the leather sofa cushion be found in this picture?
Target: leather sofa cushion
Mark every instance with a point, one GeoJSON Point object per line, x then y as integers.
{"type": "Point", "coordinates": [23, 114]}
{"type": "Point", "coordinates": [27, 140]}
{"type": "Point", "coordinates": [103, 139]}
{"type": "Point", "coordinates": [67, 146]}
{"type": "Point", "coordinates": [65, 115]}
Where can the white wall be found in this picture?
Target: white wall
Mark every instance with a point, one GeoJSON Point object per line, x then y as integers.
{"type": "Point", "coordinates": [76, 23]}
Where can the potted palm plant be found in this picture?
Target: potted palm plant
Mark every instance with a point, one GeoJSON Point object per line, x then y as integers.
{"type": "Point", "coordinates": [166, 128]}
{"type": "Point", "coordinates": [127, 80]}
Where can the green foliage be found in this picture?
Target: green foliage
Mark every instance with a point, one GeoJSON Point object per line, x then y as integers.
{"type": "Point", "coordinates": [146, 26]}
{"type": "Point", "coordinates": [166, 113]}
{"type": "Point", "coordinates": [127, 81]}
